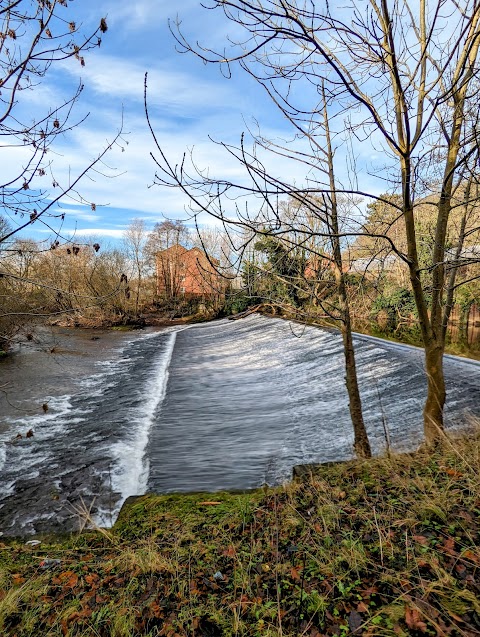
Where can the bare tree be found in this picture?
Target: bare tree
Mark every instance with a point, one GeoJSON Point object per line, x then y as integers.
{"type": "Point", "coordinates": [362, 445]}
{"type": "Point", "coordinates": [36, 36]}
{"type": "Point", "coordinates": [403, 78]}
{"type": "Point", "coordinates": [165, 247]}
{"type": "Point", "coordinates": [304, 231]}
{"type": "Point", "coordinates": [135, 239]}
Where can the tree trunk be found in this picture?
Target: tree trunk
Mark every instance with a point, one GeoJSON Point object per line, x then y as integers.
{"type": "Point", "coordinates": [361, 443]}
{"type": "Point", "coordinates": [433, 411]}
{"type": "Point", "coordinates": [431, 326]}
{"type": "Point", "coordinates": [452, 277]}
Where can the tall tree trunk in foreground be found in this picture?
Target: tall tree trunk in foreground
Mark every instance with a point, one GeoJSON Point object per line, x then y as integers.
{"type": "Point", "coordinates": [361, 443]}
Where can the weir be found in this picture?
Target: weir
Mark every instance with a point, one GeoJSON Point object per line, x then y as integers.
{"type": "Point", "coordinates": [249, 399]}
{"type": "Point", "coordinates": [221, 405]}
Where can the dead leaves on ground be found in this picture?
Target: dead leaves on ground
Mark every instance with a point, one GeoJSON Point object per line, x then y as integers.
{"type": "Point", "coordinates": [314, 560]}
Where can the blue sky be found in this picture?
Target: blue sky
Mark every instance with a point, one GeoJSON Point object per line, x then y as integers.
{"type": "Point", "coordinates": [188, 102]}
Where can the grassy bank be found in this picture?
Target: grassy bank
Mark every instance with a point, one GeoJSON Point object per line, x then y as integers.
{"type": "Point", "coordinates": [386, 547]}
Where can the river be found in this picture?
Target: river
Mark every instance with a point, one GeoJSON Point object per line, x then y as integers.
{"type": "Point", "coordinates": [221, 405]}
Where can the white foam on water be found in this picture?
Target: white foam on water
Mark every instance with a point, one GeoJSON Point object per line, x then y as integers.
{"type": "Point", "coordinates": [130, 476]}
{"type": "Point", "coordinates": [3, 455]}
{"type": "Point", "coordinates": [44, 425]}
{"type": "Point", "coordinates": [98, 383]}
{"type": "Point", "coordinates": [7, 489]}
{"type": "Point", "coordinates": [64, 411]}
{"type": "Point", "coordinates": [104, 518]}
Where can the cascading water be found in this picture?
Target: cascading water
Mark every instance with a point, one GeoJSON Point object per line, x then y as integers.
{"type": "Point", "coordinates": [228, 404]}
{"type": "Point", "coordinates": [88, 449]}
{"type": "Point", "coordinates": [249, 399]}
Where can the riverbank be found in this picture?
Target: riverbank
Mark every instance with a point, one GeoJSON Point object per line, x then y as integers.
{"type": "Point", "coordinates": [407, 333]}
{"type": "Point", "coordinates": [410, 335]}
{"type": "Point", "coordinates": [151, 319]}
{"type": "Point", "coordinates": [385, 547]}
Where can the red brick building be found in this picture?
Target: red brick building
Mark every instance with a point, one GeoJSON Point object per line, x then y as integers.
{"type": "Point", "coordinates": [188, 273]}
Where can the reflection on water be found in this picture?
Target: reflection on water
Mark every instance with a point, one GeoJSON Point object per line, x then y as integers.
{"type": "Point", "coordinates": [473, 327]}
{"type": "Point", "coordinates": [462, 337]}
{"type": "Point", "coordinates": [473, 335]}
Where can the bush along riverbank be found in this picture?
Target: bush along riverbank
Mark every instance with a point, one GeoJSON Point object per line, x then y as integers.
{"type": "Point", "coordinates": [385, 547]}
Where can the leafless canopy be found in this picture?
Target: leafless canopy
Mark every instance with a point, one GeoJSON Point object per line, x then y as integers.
{"type": "Point", "coordinates": [34, 36]}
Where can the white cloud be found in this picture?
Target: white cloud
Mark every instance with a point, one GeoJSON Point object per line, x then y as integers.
{"type": "Point", "coordinates": [143, 14]}
{"type": "Point", "coordinates": [179, 92]}
{"type": "Point", "coordinates": [84, 216]}
{"type": "Point", "coordinates": [114, 233]}
{"type": "Point", "coordinates": [149, 19]}
{"type": "Point", "coordinates": [130, 190]}
{"type": "Point", "coordinates": [46, 96]}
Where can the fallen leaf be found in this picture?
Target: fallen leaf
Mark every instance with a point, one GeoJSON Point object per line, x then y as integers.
{"type": "Point", "coordinates": [92, 578]}
{"type": "Point", "coordinates": [421, 539]}
{"type": "Point", "coordinates": [452, 473]}
{"type": "Point", "coordinates": [461, 569]}
{"type": "Point", "coordinates": [85, 613]}
{"type": "Point", "coordinates": [18, 579]}
{"type": "Point", "coordinates": [229, 552]}
{"type": "Point", "coordinates": [413, 619]}
{"type": "Point", "coordinates": [355, 622]}
{"type": "Point", "coordinates": [68, 578]}
{"type": "Point", "coordinates": [449, 546]}
{"type": "Point", "coordinates": [470, 555]}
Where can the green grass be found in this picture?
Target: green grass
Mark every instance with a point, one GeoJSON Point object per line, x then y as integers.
{"type": "Point", "coordinates": [377, 548]}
